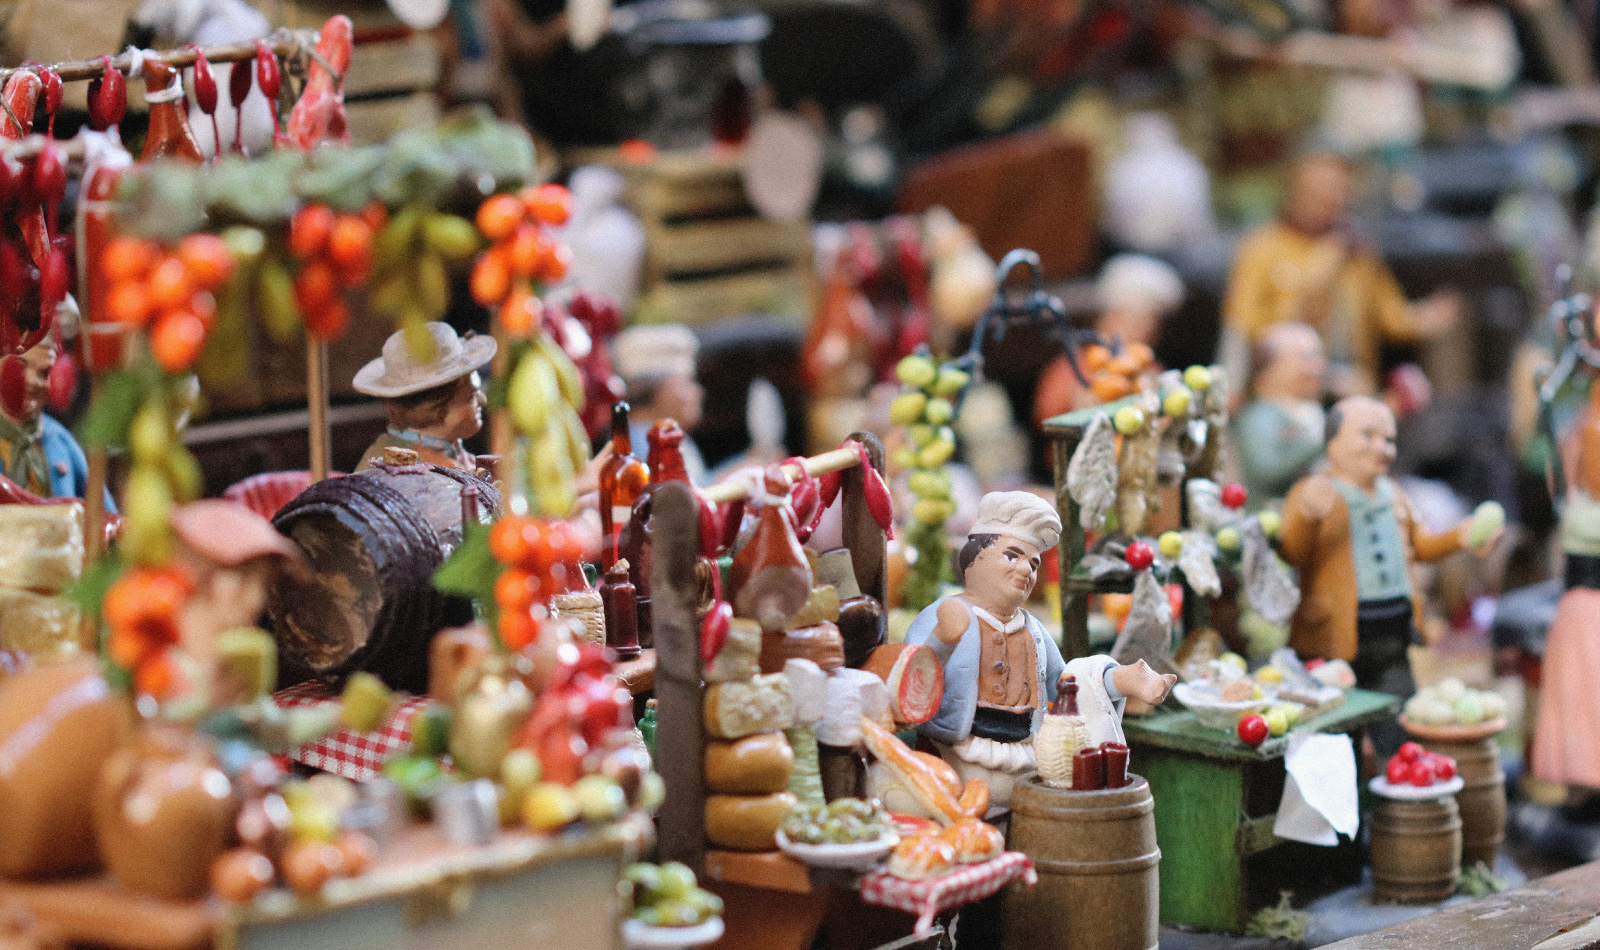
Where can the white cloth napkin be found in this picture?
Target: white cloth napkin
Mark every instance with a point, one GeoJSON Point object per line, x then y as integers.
{"type": "Point", "coordinates": [1319, 797]}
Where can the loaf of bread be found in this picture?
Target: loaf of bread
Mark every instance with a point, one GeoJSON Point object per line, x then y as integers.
{"type": "Point", "coordinates": [810, 688]}
{"type": "Point", "coordinates": [822, 644]}
{"type": "Point", "coordinates": [735, 710]}
{"type": "Point", "coordinates": [822, 606]}
{"type": "Point", "coordinates": [746, 822]}
{"type": "Point", "coordinates": [755, 765]}
{"type": "Point", "coordinates": [920, 857]}
{"type": "Point", "coordinates": [740, 657]}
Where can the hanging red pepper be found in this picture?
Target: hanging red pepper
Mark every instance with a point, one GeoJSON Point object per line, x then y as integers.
{"type": "Point", "coordinates": [710, 524]}
{"type": "Point", "coordinates": [50, 183]}
{"type": "Point", "coordinates": [877, 493]}
{"type": "Point", "coordinates": [732, 515]}
{"type": "Point", "coordinates": [108, 97]}
{"type": "Point", "coordinates": [805, 501]}
{"type": "Point", "coordinates": [205, 93]}
{"type": "Point", "coordinates": [54, 280]}
{"type": "Point", "coordinates": [63, 378]}
{"type": "Point", "coordinates": [714, 630]}
{"type": "Point", "coordinates": [13, 386]}
{"type": "Point", "coordinates": [269, 79]}
{"type": "Point", "coordinates": [238, 92]}
{"type": "Point", "coordinates": [52, 97]}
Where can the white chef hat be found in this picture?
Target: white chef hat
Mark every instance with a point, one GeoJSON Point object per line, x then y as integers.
{"type": "Point", "coordinates": [664, 349]}
{"type": "Point", "coordinates": [1138, 281]}
{"type": "Point", "coordinates": [1019, 514]}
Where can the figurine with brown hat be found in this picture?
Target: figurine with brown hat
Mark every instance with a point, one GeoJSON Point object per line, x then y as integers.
{"type": "Point", "coordinates": [432, 407]}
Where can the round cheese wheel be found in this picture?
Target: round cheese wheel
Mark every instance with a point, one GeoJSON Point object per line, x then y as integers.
{"type": "Point", "coordinates": [746, 822]}
{"type": "Point", "coordinates": [755, 765]}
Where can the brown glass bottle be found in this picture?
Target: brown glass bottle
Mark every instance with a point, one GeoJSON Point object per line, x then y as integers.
{"type": "Point", "coordinates": [169, 135]}
{"type": "Point", "coordinates": [622, 481]}
{"type": "Point", "coordinates": [666, 465]}
{"type": "Point", "coordinates": [622, 611]}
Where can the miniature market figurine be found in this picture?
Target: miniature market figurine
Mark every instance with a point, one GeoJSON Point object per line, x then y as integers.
{"type": "Point", "coordinates": [1135, 292]}
{"type": "Point", "coordinates": [1351, 535]}
{"type": "Point", "coordinates": [1309, 267]}
{"type": "Point", "coordinates": [36, 451]}
{"type": "Point", "coordinates": [1000, 667]}
{"type": "Point", "coordinates": [1278, 434]}
{"type": "Point", "coordinates": [657, 364]}
{"type": "Point", "coordinates": [432, 408]}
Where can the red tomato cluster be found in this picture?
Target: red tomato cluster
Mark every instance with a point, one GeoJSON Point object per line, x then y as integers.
{"type": "Point", "coordinates": [142, 610]}
{"type": "Point", "coordinates": [541, 558]}
{"type": "Point", "coordinates": [335, 254]}
{"type": "Point", "coordinates": [1414, 765]}
{"type": "Point", "coordinates": [522, 253]}
{"type": "Point", "coordinates": [168, 292]}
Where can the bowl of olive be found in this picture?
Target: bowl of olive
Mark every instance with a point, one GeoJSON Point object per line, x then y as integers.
{"type": "Point", "coordinates": [847, 833]}
{"type": "Point", "coordinates": [670, 911]}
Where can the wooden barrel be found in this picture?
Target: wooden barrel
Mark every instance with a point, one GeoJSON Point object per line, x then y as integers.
{"type": "Point", "coordinates": [1098, 864]}
{"type": "Point", "coordinates": [1483, 799]}
{"type": "Point", "coordinates": [373, 540]}
{"type": "Point", "coordinates": [1416, 850]}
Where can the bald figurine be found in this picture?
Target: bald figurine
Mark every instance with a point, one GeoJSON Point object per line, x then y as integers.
{"type": "Point", "coordinates": [1279, 432]}
{"type": "Point", "coordinates": [1000, 666]}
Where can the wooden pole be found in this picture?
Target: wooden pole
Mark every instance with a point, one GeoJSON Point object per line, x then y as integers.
{"type": "Point", "coordinates": [736, 489]}
{"type": "Point", "coordinates": [282, 43]}
{"type": "Point", "coordinates": [317, 400]}
{"type": "Point", "coordinates": [680, 696]}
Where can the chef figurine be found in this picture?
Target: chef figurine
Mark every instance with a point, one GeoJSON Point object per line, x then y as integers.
{"type": "Point", "coordinates": [1279, 432]}
{"type": "Point", "coordinates": [1352, 537]}
{"type": "Point", "coordinates": [431, 407]}
{"type": "Point", "coordinates": [657, 364]}
{"type": "Point", "coordinates": [36, 451]}
{"type": "Point", "coordinates": [1000, 667]}
{"type": "Point", "coordinates": [1308, 267]}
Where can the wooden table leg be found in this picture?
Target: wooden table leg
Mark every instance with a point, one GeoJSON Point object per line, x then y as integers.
{"type": "Point", "coordinates": [760, 919]}
{"type": "Point", "coordinates": [1197, 809]}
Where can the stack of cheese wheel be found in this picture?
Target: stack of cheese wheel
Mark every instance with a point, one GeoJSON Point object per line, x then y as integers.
{"type": "Point", "coordinates": [748, 762]}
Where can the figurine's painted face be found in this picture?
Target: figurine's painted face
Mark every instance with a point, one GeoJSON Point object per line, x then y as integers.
{"type": "Point", "coordinates": [464, 416]}
{"type": "Point", "coordinates": [36, 368]}
{"type": "Point", "coordinates": [1296, 367]}
{"type": "Point", "coordinates": [1001, 578]}
{"type": "Point", "coordinates": [1319, 194]}
{"type": "Point", "coordinates": [1363, 448]}
{"type": "Point", "coordinates": [681, 399]}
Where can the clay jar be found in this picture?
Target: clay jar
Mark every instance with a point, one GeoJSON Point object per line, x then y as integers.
{"type": "Point", "coordinates": [163, 812]}
{"type": "Point", "coordinates": [58, 724]}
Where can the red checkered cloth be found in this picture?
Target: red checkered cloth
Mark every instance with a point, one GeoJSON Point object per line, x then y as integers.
{"type": "Point", "coordinates": [353, 755]}
{"type": "Point", "coordinates": [927, 899]}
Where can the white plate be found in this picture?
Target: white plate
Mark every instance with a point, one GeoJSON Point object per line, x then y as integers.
{"type": "Point", "coordinates": [861, 856]}
{"type": "Point", "coordinates": [1214, 712]}
{"type": "Point", "coordinates": [640, 936]}
{"type": "Point", "coordinates": [1413, 793]}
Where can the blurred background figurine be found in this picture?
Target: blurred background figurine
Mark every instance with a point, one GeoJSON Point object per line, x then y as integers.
{"type": "Point", "coordinates": [431, 407]}
{"type": "Point", "coordinates": [38, 453]}
{"type": "Point", "coordinates": [1278, 434]}
{"type": "Point", "coordinates": [657, 365]}
{"type": "Point", "coordinates": [1309, 267]}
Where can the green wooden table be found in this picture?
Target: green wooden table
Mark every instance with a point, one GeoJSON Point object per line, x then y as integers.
{"type": "Point", "coordinates": [1215, 803]}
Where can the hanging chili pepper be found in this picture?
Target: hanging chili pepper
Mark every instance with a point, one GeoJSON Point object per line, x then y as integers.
{"type": "Point", "coordinates": [54, 281]}
{"type": "Point", "coordinates": [205, 93]}
{"type": "Point", "coordinates": [732, 515]}
{"type": "Point", "coordinates": [269, 79]}
{"type": "Point", "coordinates": [108, 97]}
{"type": "Point", "coordinates": [13, 385]}
{"type": "Point", "coordinates": [876, 492]}
{"type": "Point", "coordinates": [63, 379]}
{"type": "Point", "coordinates": [52, 97]}
{"type": "Point", "coordinates": [50, 182]}
{"type": "Point", "coordinates": [238, 92]}
{"type": "Point", "coordinates": [714, 630]}
{"type": "Point", "coordinates": [828, 487]}
{"type": "Point", "coordinates": [805, 501]}
{"type": "Point", "coordinates": [710, 523]}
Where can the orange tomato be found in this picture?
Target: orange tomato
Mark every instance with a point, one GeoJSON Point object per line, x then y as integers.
{"type": "Point", "coordinates": [520, 315]}
{"type": "Point", "coordinates": [358, 850]}
{"type": "Point", "coordinates": [554, 265]}
{"type": "Point", "coordinates": [1141, 354]}
{"type": "Point", "coordinates": [549, 204]}
{"type": "Point", "coordinates": [156, 675]}
{"type": "Point", "coordinates": [1109, 387]}
{"type": "Point", "coordinates": [516, 589]}
{"type": "Point", "coordinates": [206, 259]}
{"type": "Point", "coordinates": [526, 251]}
{"type": "Point", "coordinates": [1095, 357]}
{"type": "Point", "coordinates": [508, 540]}
{"type": "Point", "coordinates": [518, 629]}
{"type": "Point", "coordinates": [350, 244]}
{"type": "Point", "coordinates": [204, 306]}
{"type": "Point", "coordinates": [376, 215]}
{"type": "Point", "coordinates": [240, 874]}
{"type": "Point", "coordinates": [169, 284]}
{"type": "Point", "coordinates": [144, 593]}
{"type": "Point", "coordinates": [491, 277]}
{"type": "Point", "coordinates": [1126, 364]}
{"type": "Point", "coordinates": [1116, 607]}
{"type": "Point", "coordinates": [309, 230]}
{"type": "Point", "coordinates": [500, 216]}
{"type": "Point", "coordinates": [128, 647]}
{"type": "Point", "coordinates": [329, 321]}
{"type": "Point", "coordinates": [129, 302]}
{"type": "Point", "coordinates": [315, 286]}
{"type": "Point", "coordinates": [176, 339]}
{"type": "Point", "coordinates": [307, 865]}
{"type": "Point", "coordinates": [128, 258]}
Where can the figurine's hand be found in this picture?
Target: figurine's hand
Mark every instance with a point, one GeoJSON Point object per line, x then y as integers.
{"type": "Point", "coordinates": [588, 480]}
{"type": "Point", "coordinates": [1464, 532]}
{"type": "Point", "coordinates": [1138, 681]}
{"type": "Point", "coordinates": [1437, 315]}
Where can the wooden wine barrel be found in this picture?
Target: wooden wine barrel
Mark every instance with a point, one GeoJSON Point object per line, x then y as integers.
{"type": "Point", "coordinates": [1482, 802]}
{"type": "Point", "coordinates": [1416, 850]}
{"type": "Point", "coordinates": [373, 540]}
{"type": "Point", "coordinates": [1098, 864]}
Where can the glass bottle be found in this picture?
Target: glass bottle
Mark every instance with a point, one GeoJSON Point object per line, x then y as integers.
{"type": "Point", "coordinates": [169, 135]}
{"type": "Point", "coordinates": [622, 612]}
{"type": "Point", "coordinates": [665, 465]}
{"type": "Point", "coordinates": [622, 481]}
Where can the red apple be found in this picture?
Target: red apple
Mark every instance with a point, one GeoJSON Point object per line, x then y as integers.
{"type": "Point", "coordinates": [1398, 772]}
{"type": "Point", "coordinates": [1139, 556]}
{"type": "Point", "coordinates": [1445, 768]}
{"type": "Point", "coordinates": [1253, 729]}
{"type": "Point", "coordinates": [1409, 752]}
{"type": "Point", "coordinates": [1234, 495]}
{"type": "Point", "coordinates": [1421, 774]}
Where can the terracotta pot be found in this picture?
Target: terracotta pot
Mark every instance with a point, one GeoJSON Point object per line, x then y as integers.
{"type": "Point", "coordinates": [58, 724]}
{"type": "Point", "coordinates": [163, 812]}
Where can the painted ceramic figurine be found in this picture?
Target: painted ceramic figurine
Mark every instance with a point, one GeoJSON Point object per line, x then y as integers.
{"type": "Point", "coordinates": [1351, 535]}
{"type": "Point", "coordinates": [432, 407]}
{"type": "Point", "coordinates": [36, 451]}
{"type": "Point", "coordinates": [1278, 434]}
{"type": "Point", "coordinates": [657, 365]}
{"type": "Point", "coordinates": [1001, 669]}
{"type": "Point", "coordinates": [1307, 266]}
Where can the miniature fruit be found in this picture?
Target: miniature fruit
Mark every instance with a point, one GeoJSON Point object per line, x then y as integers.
{"type": "Point", "coordinates": [1253, 729]}
{"type": "Point", "coordinates": [1128, 420]}
{"type": "Point", "coordinates": [1444, 767]}
{"type": "Point", "coordinates": [308, 865]}
{"type": "Point", "coordinates": [1409, 752]}
{"type": "Point", "coordinates": [549, 806]}
{"type": "Point", "coordinates": [1139, 556]}
{"type": "Point", "coordinates": [1177, 402]}
{"type": "Point", "coordinates": [1197, 378]}
{"type": "Point", "coordinates": [1234, 660]}
{"type": "Point", "coordinates": [1171, 544]}
{"type": "Point", "coordinates": [939, 411]}
{"type": "Point", "coordinates": [1421, 773]}
{"type": "Point", "coordinates": [1234, 495]}
{"type": "Point", "coordinates": [1228, 539]}
{"type": "Point", "coordinates": [1398, 772]}
{"type": "Point", "coordinates": [240, 874]}
{"type": "Point", "coordinates": [950, 381]}
{"type": "Point", "coordinates": [1270, 522]}
{"type": "Point", "coordinates": [1487, 520]}
{"type": "Point", "coordinates": [599, 799]}
{"type": "Point", "coordinates": [907, 408]}
{"type": "Point", "coordinates": [916, 371]}
{"type": "Point", "coordinates": [1277, 721]}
